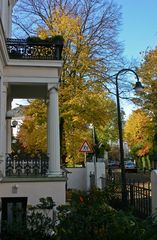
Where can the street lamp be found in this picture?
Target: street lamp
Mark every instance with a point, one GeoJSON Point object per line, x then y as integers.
{"type": "Point", "coordinates": [138, 87]}
{"type": "Point", "coordinates": [91, 126]}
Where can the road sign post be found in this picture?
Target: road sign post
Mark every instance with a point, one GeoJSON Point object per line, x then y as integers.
{"type": "Point", "coordinates": [85, 148]}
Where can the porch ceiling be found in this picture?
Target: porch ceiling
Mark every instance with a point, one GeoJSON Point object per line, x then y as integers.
{"type": "Point", "coordinates": [28, 91]}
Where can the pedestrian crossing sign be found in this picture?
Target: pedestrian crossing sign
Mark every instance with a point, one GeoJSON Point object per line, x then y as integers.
{"type": "Point", "coordinates": [86, 148]}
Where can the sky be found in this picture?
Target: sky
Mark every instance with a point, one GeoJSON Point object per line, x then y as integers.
{"type": "Point", "coordinates": [139, 26]}
{"type": "Point", "coordinates": [138, 31]}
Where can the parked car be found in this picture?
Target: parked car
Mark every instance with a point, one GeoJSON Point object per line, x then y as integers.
{"type": "Point", "coordinates": [130, 166]}
{"type": "Point", "coordinates": [113, 164]}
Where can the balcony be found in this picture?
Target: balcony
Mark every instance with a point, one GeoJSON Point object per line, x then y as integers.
{"type": "Point", "coordinates": [25, 165]}
{"type": "Point", "coordinates": [34, 48]}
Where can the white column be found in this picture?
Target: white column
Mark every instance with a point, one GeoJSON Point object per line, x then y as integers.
{"type": "Point", "coordinates": [4, 16]}
{"type": "Point", "coordinates": [154, 190]}
{"type": "Point", "coordinates": [3, 100]}
{"type": "Point", "coordinates": [1, 130]}
{"type": "Point", "coordinates": [9, 129]}
{"type": "Point", "coordinates": [53, 133]}
{"type": "Point", "coordinates": [11, 4]}
{"type": "Point", "coordinates": [9, 20]}
{"type": "Point", "coordinates": [1, 8]}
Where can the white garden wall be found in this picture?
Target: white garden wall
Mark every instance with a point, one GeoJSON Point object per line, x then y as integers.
{"type": "Point", "coordinates": [79, 178]}
{"type": "Point", "coordinates": [154, 190]}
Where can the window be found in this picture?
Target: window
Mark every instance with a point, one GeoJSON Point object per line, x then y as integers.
{"type": "Point", "coordinates": [13, 211]}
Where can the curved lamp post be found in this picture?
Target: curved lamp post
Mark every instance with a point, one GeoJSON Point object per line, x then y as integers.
{"type": "Point", "coordinates": [138, 87]}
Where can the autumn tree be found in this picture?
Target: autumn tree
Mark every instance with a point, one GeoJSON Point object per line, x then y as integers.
{"type": "Point", "coordinates": [91, 51]}
{"type": "Point", "coordinates": [137, 132]}
{"type": "Point", "coordinates": [148, 73]}
{"type": "Point", "coordinates": [32, 134]}
{"type": "Point", "coordinates": [87, 107]}
{"type": "Point", "coordinates": [90, 29]}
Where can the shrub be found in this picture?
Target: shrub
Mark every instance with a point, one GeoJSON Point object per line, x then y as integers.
{"type": "Point", "coordinates": [87, 217]}
{"type": "Point", "coordinates": [58, 39]}
{"type": "Point", "coordinates": [39, 224]}
{"type": "Point", "coordinates": [90, 217]}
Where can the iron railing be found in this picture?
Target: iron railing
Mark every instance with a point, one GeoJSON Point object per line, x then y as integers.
{"type": "Point", "coordinates": [138, 192]}
{"type": "Point", "coordinates": [37, 50]}
{"type": "Point", "coordinates": [26, 165]}
{"type": "Point", "coordinates": [139, 197]}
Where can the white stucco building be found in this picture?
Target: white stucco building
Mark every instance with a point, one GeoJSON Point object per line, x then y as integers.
{"type": "Point", "coordinates": [27, 72]}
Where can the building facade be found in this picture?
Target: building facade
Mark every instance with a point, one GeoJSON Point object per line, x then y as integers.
{"type": "Point", "coordinates": [28, 71]}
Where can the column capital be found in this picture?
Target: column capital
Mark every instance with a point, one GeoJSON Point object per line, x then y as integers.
{"type": "Point", "coordinates": [53, 86]}
{"type": "Point", "coordinates": [12, 2]}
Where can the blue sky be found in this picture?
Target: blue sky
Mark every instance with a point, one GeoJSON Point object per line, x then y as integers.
{"type": "Point", "coordinates": [138, 32]}
{"type": "Point", "coordinates": [139, 26]}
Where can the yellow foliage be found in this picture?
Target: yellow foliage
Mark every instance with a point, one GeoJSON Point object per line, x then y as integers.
{"type": "Point", "coordinates": [66, 25]}
{"type": "Point", "coordinates": [148, 72]}
{"type": "Point", "coordinates": [144, 150]}
{"type": "Point", "coordinates": [137, 131]}
{"type": "Point", "coordinates": [82, 99]}
{"type": "Point", "coordinates": [42, 33]}
{"type": "Point", "coordinates": [76, 53]}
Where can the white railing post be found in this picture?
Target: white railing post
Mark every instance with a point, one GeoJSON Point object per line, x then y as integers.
{"type": "Point", "coordinates": [154, 190]}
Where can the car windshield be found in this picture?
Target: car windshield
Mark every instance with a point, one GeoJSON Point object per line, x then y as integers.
{"type": "Point", "coordinates": [130, 164]}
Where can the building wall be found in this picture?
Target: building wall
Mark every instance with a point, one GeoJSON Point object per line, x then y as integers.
{"type": "Point", "coordinates": [34, 190]}
{"type": "Point", "coordinates": [79, 178]}
{"type": "Point", "coordinates": [154, 190]}
{"type": "Point", "coordinates": [76, 178]}
{"type": "Point", "coordinates": [100, 172]}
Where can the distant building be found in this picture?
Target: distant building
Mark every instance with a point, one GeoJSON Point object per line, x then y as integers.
{"type": "Point", "coordinates": [114, 152]}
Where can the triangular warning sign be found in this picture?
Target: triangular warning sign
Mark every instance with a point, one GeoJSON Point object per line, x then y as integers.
{"type": "Point", "coordinates": [86, 148]}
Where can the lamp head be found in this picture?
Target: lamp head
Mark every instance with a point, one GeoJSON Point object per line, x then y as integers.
{"type": "Point", "coordinates": [138, 87]}
{"type": "Point", "coordinates": [14, 123]}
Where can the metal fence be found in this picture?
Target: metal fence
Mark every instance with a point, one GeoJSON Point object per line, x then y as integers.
{"type": "Point", "coordinates": [37, 50]}
{"type": "Point", "coordinates": [139, 197]}
{"type": "Point", "coordinates": [138, 192]}
{"type": "Point", "coordinates": [26, 165]}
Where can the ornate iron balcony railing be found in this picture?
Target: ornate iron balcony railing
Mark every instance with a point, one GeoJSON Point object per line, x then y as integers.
{"type": "Point", "coordinates": [37, 50]}
{"type": "Point", "coordinates": [26, 165]}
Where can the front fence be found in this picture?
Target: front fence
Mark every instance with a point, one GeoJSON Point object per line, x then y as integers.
{"type": "Point", "coordinates": [138, 193]}
{"type": "Point", "coordinates": [26, 165]}
{"type": "Point", "coordinates": [139, 196]}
